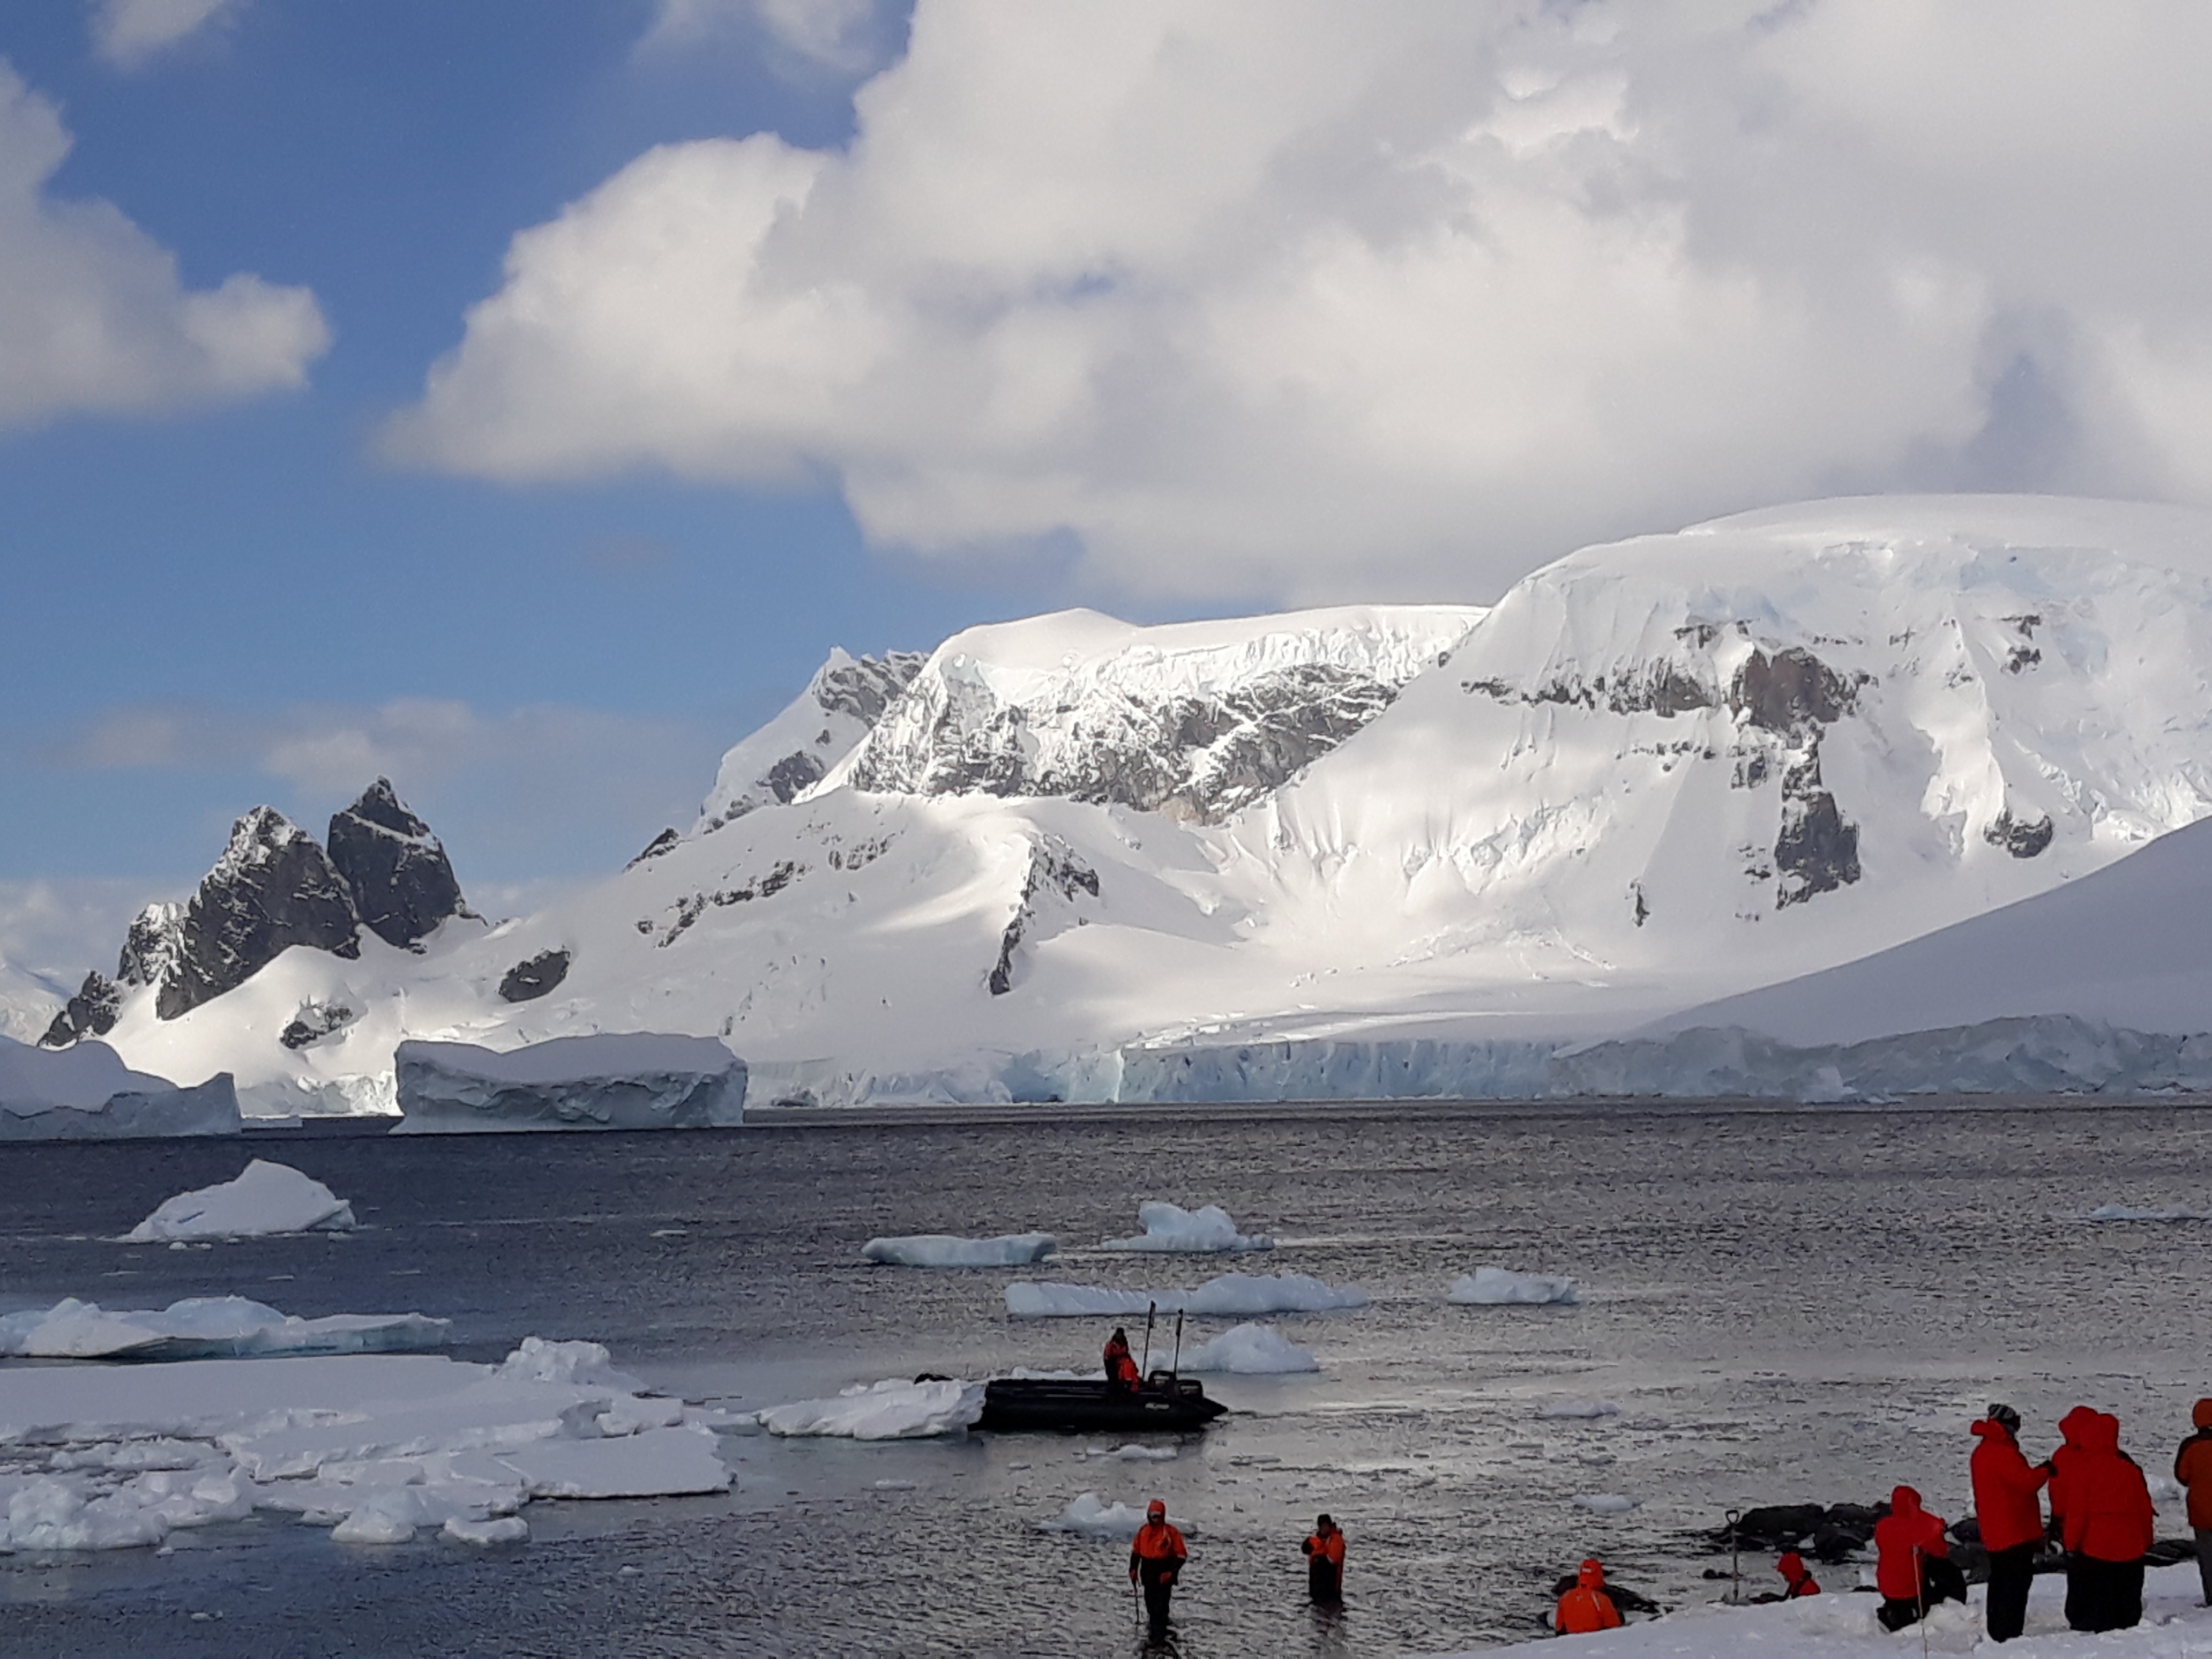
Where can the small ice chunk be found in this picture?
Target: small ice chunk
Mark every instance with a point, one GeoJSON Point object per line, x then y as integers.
{"type": "Point", "coordinates": [387, 1518]}
{"type": "Point", "coordinates": [944, 1250]}
{"type": "Point", "coordinates": [1250, 1350]}
{"type": "Point", "coordinates": [890, 1410]}
{"type": "Point", "coordinates": [1499, 1286]}
{"type": "Point", "coordinates": [569, 1364]}
{"type": "Point", "coordinates": [500, 1529]}
{"type": "Point", "coordinates": [666, 1462]}
{"type": "Point", "coordinates": [1088, 1516]}
{"type": "Point", "coordinates": [1206, 1230]}
{"type": "Point", "coordinates": [2121, 1213]}
{"type": "Point", "coordinates": [1578, 1408]}
{"type": "Point", "coordinates": [895, 1486]}
{"type": "Point", "coordinates": [1606, 1503]}
{"type": "Point", "coordinates": [265, 1199]}
{"type": "Point", "coordinates": [1136, 1454]}
{"type": "Point", "coordinates": [1242, 1294]}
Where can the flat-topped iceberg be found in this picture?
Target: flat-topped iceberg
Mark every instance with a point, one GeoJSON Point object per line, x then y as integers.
{"type": "Point", "coordinates": [207, 1327]}
{"type": "Point", "coordinates": [606, 1080]}
{"type": "Point", "coordinates": [945, 1251]}
{"type": "Point", "coordinates": [1250, 1350]}
{"type": "Point", "coordinates": [1204, 1230]}
{"type": "Point", "coordinates": [264, 1199]}
{"type": "Point", "coordinates": [85, 1092]}
{"type": "Point", "coordinates": [1501, 1286]}
{"type": "Point", "coordinates": [891, 1410]}
{"type": "Point", "coordinates": [372, 1445]}
{"type": "Point", "coordinates": [1238, 1295]}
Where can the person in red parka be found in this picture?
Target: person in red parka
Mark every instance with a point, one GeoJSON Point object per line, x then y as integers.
{"type": "Point", "coordinates": [1798, 1580]}
{"type": "Point", "coordinates": [2010, 1516]}
{"type": "Point", "coordinates": [2192, 1468]}
{"type": "Point", "coordinates": [1589, 1606]}
{"type": "Point", "coordinates": [2069, 1449]}
{"type": "Point", "coordinates": [1907, 1541]}
{"type": "Point", "coordinates": [2107, 1531]}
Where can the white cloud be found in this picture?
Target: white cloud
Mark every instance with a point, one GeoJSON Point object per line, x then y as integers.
{"type": "Point", "coordinates": [847, 36]}
{"type": "Point", "coordinates": [96, 318]}
{"type": "Point", "coordinates": [129, 32]}
{"type": "Point", "coordinates": [1309, 300]}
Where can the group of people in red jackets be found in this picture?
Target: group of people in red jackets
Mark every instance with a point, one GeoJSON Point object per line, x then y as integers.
{"type": "Point", "coordinates": [2101, 1515]}
{"type": "Point", "coordinates": [1157, 1553]}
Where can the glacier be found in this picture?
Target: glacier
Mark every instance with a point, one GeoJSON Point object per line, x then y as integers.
{"type": "Point", "coordinates": [605, 1080]}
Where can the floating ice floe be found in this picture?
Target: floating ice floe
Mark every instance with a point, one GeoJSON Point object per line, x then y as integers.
{"type": "Point", "coordinates": [1206, 1230]}
{"type": "Point", "coordinates": [1250, 1350]}
{"type": "Point", "coordinates": [605, 1080]}
{"type": "Point", "coordinates": [1578, 1408]}
{"type": "Point", "coordinates": [891, 1410]}
{"type": "Point", "coordinates": [265, 1198]}
{"type": "Point", "coordinates": [482, 1535]}
{"type": "Point", "coordinates": [375, 1446]}
{"type": "Point", "coordinates": [207, 1327]}
{"type": "Point", "coordinates": [1498, 1286]}
{"type": "Point", "coordinates": [2121, 1213]}
{"type": "Point", "coordinates": [945, 1251]}
{"type": "Point", "coordinates": [1241, 1295]}
{"type": "Point", "coordinates": [1606, 1503]}
{"type": "Point", "coordinates": [1132, 1454]}
{"type": "Point", "coordinates": [1088, 1516]}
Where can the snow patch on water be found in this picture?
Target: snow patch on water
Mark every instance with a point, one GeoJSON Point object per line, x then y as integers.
{"type": "Point", "coordinates": [1206, 1230]}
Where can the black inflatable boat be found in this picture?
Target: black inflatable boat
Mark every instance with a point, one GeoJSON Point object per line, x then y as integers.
{"type": "Point", "coordinates": [1084, 1407]}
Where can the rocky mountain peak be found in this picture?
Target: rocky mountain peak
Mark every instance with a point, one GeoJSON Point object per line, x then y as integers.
{"type": "Point", "coordinates": [274, 887]}
{"type": "Point", "coordinates": [403, 885]}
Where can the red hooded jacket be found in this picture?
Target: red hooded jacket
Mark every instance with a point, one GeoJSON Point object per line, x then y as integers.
{"type": "Point", "coordinates": [1905, 1535]}
{"type": "Point", "coordinates": [2070, 1451]}
{"type": "Point", "coordinates": [2005, 1489]}
{"type": "Point", "coordinates": [2108, 1511]}
{"type": "Point", "coordinates": [1587, 1606]}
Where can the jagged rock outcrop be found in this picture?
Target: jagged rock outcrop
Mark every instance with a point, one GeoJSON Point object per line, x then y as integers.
{"type": "Point", "coordinates": [534, 977]}
{"type": "Point", "coordinates": [796, 749]}
{"type": "Point", "coordinates": [151, 945]}
{"type": "Point", "coordinates": [402, 883]}
{"type": "Point", "coordinates": [1054, 872]}
{"type": "Point", "coordinates": [92, 1012]}
{"type": "Point", "coordinates": [274, 887]}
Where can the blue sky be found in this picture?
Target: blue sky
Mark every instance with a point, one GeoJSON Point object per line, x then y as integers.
{"type": "Point", "coordinates": [522, 397]}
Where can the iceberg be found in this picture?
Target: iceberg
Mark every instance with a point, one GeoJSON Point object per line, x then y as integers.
{"type": "Point", "coordinates": [2123, 1212]}
{"type": "Point", "coordinates": [1088, 1516]}
{"type": "Point", "coordinates": [944, 1250]}
{"type": "Point", "coordinates": [1250, 1350]}
{"type": "Point", "coordinates": [85, 1092]}
{"type": "Point", "coordinates": [1498, 1286]}
{"type": "Point", "coordinates": [1573, 1410]}
{"type": "Point", "coordinates": [266, 1198]}
{"type": "Point", "coordinates": [1239, 1295]}
{"type": "Point", "coordinates": [207, 1327]}
{"type": "Point", "coordinates": [607, 1080]}
{"type": "Point", "coordinates": [891, 1410]}
{"type": "Point", "coordinates": [1606, 1503]}
{"type": "Point", "coordinates": [1169, 1227]}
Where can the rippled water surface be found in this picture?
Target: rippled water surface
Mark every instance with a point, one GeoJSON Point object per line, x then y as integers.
{"type": "Point", "coordinates": [1787, 1305]}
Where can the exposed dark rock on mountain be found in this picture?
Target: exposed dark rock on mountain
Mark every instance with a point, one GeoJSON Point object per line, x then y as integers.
{"type": "Point", "coordinates": [91, 1012]}
{"type": "Point", "coordinates": [534, 976]}
{"type": "Point", "coordinates": [866, 687]}
{"type": "Point", "coordinates": [693, 906]}
{"type": "Point", "coordinates": [667, 842]}
{"type": "Point", "coordinates": [2023, 839]}
{"type": "Point", "coordinates": [273, 888]}
{"type": "Point", "coordinates": [402, 883]}
{"type": "Point", "coordinates": [794, 772]}
{"type": "Point", "coordinates": [151, 945]}
{"type": "Point", "coordinates": [314, 1022]}
{"type": "Point", "coordinates": [1053, 871]}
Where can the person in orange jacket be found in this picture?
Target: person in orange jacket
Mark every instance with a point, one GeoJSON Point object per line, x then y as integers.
{"type": "Point", "coordinates": [1589, 1606]}
{"type": "Point", "coordinates": [2010, 1516]}
{"type": "Point", "coordinates": [1120, 1368]}
{"type": "Point", "coordinates": [1908, 1541]}
{"type": "Point", "coordinates": [2108, 1530]}
{"type": "Point", "coordinates": [1798, 1580]}
{"type": "Point", "coordinates": [1155, 1559]}
{"type": "Point", "coordinates": [2192, 1468]}
{"type": "Point", "coordinates": [1324, 1552]}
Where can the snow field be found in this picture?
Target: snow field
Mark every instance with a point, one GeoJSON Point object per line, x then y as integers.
{"type": "Point", "coordinates": [109, 1457]}
{"type": "Point", "coordinates": [1492, 1287]}
{"type": "Point", "coordinates": [1239, 1295]}
{"type": "Point", "coordinates": [264, 1199]}
{"type": "Point", "coordinates": [1170, 1228]}
{"type": "Point", "coordinates": [945, 1251]}
{"type": "Point", "coordinates": [206, 1327]}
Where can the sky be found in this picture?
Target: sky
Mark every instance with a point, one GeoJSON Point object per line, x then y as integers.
{"type": "Point", "coordinates": [521, 399]}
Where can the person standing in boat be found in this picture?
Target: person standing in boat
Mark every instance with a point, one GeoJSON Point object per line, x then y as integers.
{"type": "Point", "coordinates": [1155, 1559]}
{"type": "Point", "coordinates": [1120, 1364]}
{"type": "Point", "coordinates": [1324, 1550]}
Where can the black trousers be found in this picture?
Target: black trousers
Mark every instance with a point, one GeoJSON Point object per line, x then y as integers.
{"type": "Point", "coordinates": [1895, 1613]}
{"type": "Point", "coordinates": [2011, 1572]}
{"type": "Point", "coordinates": [2103, 1595]}
{"type": "Point", "coordinates": [1157, 1593]}
{"type": "Point", "coordinates": [1324, 1580]}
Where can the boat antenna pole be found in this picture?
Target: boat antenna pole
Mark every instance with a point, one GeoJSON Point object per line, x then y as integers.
{"type": "Point", "coordinates": [1151, 1308]}
{"type": "Point", "coordinates": [1174, 1366]}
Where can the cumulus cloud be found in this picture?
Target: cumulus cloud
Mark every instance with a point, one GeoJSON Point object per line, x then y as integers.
{"type": "Point", "coordinates": [129, 32]}
{"type": "Point", "coordinates": [1294, 298]}
{"type": "Point", "coordinates": [96, 318]}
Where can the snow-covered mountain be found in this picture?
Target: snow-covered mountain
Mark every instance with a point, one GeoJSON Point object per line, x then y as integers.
{"type": "Point", "coordinates": [1071, 857]}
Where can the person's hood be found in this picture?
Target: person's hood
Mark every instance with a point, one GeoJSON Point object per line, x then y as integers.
{"type": "Point", "coordinates": [1904, 1500]}
{"type": "Point", "coordinates": [1156, 1510]}
{"type": "Point", "coordinates": [1592, 1576]}
{"type": "Point", "coordinates": [1790, 1565]}
{"type": "Point", "coordinates": [2071, 1425]}
{"type": "Point", "coordinates": [1989, 1429]}
{"type": "Point", "coordinates": [2201, 1416]}
{"type": "Point", "coordinates": [2101, 1434]}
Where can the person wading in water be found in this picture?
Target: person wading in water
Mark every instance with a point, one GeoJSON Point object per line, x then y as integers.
{"type": "Point", "coordinates": [1324, 1552]}
{"type": "Point", "coordinates": [1155, 1559]}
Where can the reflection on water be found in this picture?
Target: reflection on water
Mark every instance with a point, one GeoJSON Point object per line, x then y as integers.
{"type": "Point", "coordinates": [1785, 1305]}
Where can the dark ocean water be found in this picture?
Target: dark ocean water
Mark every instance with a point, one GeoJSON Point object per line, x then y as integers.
{"type": "Point", "coordinates": [1787, 1305]}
